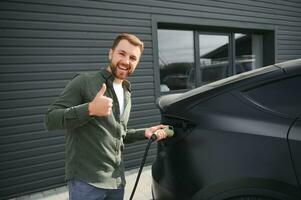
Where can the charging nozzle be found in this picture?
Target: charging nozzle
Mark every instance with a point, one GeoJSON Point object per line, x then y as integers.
{"type": "Point", "coordinates": [169, 131]}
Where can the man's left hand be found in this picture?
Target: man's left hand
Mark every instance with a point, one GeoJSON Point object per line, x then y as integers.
{"type": "Point", "coordinates": [160, 134]}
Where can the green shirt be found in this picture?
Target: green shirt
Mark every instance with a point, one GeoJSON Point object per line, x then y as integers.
{"type": "Point", "coordinates": [94, 145]}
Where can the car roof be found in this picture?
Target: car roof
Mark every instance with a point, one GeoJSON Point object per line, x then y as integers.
{"type": "Point", "coordinates": [292, 66]}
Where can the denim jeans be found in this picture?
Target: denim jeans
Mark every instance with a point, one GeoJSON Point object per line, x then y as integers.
{"type": "Point", "coordinates": [79, 190]}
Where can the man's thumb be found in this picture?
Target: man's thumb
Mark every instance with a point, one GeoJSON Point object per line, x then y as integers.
{"type": "Point", "coordinates": [102, 90]}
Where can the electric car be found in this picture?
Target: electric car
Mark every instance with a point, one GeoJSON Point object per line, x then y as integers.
{"type": "Point", "coordinates": [234, 139]}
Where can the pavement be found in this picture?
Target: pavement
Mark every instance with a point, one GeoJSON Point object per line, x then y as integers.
{"type": "Point", "coordinates": [143, 190]}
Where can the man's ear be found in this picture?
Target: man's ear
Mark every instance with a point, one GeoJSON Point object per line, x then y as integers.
{"type": "Point", "coordinates": [110, 54]}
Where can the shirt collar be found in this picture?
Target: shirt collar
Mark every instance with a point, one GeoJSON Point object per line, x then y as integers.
{"type": "Point", "coordinates": [108, 76]}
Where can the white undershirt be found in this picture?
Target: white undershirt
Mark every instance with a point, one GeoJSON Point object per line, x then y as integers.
{"type": "Point", "coordinates": [120, 96]}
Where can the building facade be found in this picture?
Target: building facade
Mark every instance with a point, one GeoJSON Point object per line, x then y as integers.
{"type": "Point", "coordinates": [43, 44]}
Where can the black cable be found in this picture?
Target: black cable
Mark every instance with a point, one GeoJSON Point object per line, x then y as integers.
{"type": "Point", "coordinates": [152, 139]}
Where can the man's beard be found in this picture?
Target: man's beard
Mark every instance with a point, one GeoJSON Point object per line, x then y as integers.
{"type": "Point", "coordinates": [114, 69]}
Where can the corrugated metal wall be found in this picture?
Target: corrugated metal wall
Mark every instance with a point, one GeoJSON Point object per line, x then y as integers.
{"type": "Point", "coordinates": [44, 43]}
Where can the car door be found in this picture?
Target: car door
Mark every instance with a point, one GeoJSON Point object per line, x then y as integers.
{"type": "Point", "coordinates": [287, 104]}
{"type": "Point", "coordinates": [294, 138]}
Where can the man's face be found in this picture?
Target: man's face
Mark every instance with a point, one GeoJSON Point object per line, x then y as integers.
{"type": "Point", "coordinates": [124, 59]}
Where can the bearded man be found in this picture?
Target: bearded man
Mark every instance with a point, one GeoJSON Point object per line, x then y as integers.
{"type": "Point", "coordinates": [94, 109]}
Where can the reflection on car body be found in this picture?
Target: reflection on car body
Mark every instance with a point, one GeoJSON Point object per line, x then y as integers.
{"type": "Point", "coordinates": [238, 138]}
{"type": "Point", "coordinates": [175, 79]}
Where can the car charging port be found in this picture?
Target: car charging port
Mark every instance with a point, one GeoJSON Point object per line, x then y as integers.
{"type": "Point", "coordinates": [181, 128]}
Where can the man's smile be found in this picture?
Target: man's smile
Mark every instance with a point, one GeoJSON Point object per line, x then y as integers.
{"type": "Point", "coordinates": [122, 68]}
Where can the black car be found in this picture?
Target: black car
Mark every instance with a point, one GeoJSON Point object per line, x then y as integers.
{"type": "Point", "coordinates": [235, 139]}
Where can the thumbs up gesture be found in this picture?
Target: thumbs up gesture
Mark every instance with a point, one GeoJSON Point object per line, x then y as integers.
{"type": "Point", "coordinates": [101, 105]}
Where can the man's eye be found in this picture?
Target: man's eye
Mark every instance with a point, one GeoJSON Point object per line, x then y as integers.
{"type": "Point", "coordinates": [133, 58]}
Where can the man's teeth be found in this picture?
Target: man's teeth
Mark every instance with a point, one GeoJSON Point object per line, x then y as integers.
{"type": "Point", "coordinates": [123, 68]}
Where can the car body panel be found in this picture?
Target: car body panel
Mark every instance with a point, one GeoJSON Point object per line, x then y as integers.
{"type": "Point", "coordinates": [226, 133]}
{"type": "Point", "coordinates": [295, 147]}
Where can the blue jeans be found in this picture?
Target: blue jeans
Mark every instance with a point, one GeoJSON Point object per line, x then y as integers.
{"type": "Point", "coordinates": [79, 190]}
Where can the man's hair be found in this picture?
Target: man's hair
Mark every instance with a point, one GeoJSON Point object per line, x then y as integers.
{"type": "Point", "coordinates": [134, 40]}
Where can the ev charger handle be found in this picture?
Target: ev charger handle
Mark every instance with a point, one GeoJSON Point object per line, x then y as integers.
{"type": "Point", "coordinates": [168, 131]}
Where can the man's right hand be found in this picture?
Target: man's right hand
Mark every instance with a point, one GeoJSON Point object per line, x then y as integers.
{"type": "Point", "coordinates": [101, 105]}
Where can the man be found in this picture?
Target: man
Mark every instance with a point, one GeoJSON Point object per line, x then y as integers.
{"type": "Point", "coordinates": [94, 108]}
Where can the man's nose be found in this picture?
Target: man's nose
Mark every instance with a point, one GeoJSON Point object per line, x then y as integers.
{"type": "Point", "coordinates": [126, 60]}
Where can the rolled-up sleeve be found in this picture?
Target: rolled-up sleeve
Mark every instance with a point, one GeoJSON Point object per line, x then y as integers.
{"type": "Point", "coordinates": [133, 135]}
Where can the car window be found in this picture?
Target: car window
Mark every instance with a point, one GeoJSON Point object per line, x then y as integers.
{"type": "Point", "coordinates": [282, 96]}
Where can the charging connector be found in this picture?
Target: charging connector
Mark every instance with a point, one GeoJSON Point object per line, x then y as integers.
{"type": "Point", "coordinates": [169, 132]}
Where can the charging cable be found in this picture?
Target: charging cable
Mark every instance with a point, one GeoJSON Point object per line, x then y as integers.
{"type": "Point", "coordinates": [169, 133]}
